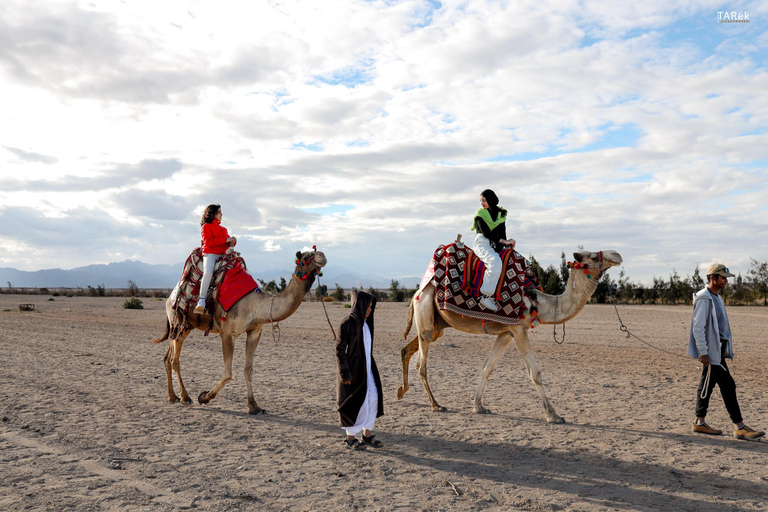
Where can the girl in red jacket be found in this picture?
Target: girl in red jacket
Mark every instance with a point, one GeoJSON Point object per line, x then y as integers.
{"type": "Point", "coordinates": [216, 241]}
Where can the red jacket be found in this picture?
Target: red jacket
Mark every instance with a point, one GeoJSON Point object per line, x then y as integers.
{"type": "Point", "coordinates": [214, 238]}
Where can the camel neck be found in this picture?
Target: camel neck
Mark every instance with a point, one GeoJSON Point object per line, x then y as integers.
{"type": "Point", "coordinates": [568, 304]}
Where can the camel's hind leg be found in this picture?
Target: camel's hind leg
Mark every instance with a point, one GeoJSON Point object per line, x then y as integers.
{"type": "Point", "coordinates": [405, 358]}
{"type": "Point", "coordinates": [172, 362]}
{"type": "Point", "coordinates": [251, 342]}
{"type": "Point", "coordinates": [524, 346]}
{"type": "Point", "coordinates": [228, 349]}
{"type": "Point", "coordinates": [423, 352]}
{"type": "Point", "coordinates": [498, 348]}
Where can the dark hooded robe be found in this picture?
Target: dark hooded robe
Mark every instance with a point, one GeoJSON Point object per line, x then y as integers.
{"type": "Point", "coordinates": [350, 355]}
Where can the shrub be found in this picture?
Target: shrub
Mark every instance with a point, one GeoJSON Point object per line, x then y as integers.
{"type": "Point", "coordinates": [55, 294]}
{"type": "Point", "coordinates": [329, 299]}
{"type": "Point", "coordinates": [50, 299]}
{"type": "Point", "coordinates": [133, 303]}
{"type": "Point", "coordinates": [347, 305]}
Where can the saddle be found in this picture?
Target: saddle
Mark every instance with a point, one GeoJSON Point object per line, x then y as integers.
{"type": "Point", "coordinates": [457, 274]}
{"type": "Point", "coordinates": [229, 283]}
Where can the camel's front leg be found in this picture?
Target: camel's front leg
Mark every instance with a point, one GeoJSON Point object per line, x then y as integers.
{"type": "Point", "coordinates": [524, 346]}
{"type": "Point", "coordinates": [228, 348]}
{"type": "Point", "coordinates": [405, 358]}
{"type": "Point", "coordinates": [174, 354]}
{"type": "Point", "coordinates": [251, 342]}
{"type": "Point", "coordinates": [498, 348]}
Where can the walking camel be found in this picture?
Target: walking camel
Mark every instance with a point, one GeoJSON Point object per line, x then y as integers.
{"type": "Point", "coordinates": [431, 321]}
{"type": "Point", "coordinates": [248, 316]}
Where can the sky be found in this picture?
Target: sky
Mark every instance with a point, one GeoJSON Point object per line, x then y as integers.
{"type": "Point", "coordinates": [369, 129]}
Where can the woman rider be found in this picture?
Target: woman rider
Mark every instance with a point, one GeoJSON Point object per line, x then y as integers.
{"type": "Point", "coordinates": [216, 241]}
{"type": "Point", "coordinates": [491, 238]}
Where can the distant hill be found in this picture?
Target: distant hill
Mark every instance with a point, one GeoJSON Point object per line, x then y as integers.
{"type": "Point", "coordinates": [145, 275]}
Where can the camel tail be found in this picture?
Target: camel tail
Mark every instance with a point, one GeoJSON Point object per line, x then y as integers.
{"type": "Point", "coordinates": [410, 321]}
{"type": "Point", "coordinates": [166, 333]}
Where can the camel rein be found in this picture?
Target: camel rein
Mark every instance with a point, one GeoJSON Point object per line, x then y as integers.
{"type": "Point", "coordinates": [326, 311]}
{"type": "Point", "coordinates": [275, 325]}
{"type": "Point", "coordinates": [624, 328]}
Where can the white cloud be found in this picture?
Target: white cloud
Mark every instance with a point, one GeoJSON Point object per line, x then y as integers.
{"type": "Point", "coordinates": [640, 128]}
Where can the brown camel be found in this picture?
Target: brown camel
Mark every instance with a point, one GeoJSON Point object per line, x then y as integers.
{"type": "Point", "coordinates": [431, 321]}
{"type": "Point", "coordinates": [248, 316]}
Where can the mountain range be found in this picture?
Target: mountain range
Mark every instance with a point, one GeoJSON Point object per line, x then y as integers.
{"type": "Point", "coordinates": [145, 275]}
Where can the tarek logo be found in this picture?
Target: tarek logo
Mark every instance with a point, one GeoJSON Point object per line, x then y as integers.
{"type": "Point", "coordinates": [732, 17]}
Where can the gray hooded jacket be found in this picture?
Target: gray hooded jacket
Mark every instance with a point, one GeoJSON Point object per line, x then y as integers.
{"type": "Point", "coordinates": [705, 331]}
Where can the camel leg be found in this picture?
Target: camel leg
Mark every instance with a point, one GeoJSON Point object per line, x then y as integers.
{"type": "Point", "coordinates": [174, 355]}
{"type": "Point", "coordinates": [490, 364]}
{"type": "Point", "coordinates": [524, 346]}
{"type": "Point", "coordinates": [228, 349]}
{"type": "Point", "coordinates": [169, 373]}
{"type": "Point", "coordinates": [405, 358]}
{"type": "Point", "coordinates": [423, 351]}
{"type": "Point", "coordinates": [251, 342]}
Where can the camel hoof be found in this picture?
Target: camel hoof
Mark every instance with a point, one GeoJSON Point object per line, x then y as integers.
{"type": "Point", "coordinates": [257, 410]}
{"type": "Point", "coordinates": [555, 419]}
{"type": "Point", "coordinates": [481, 410]}
{"type": "Point", "coordinates": [400, 392]}
{"type": "Point", "coordinates": [203, 398]}
{"type": "Point", "coordinates": [186, 400]}
{"type": "Point", "coordinates": [173, 399]}
{"type": "Point", "coordinates": [438, 408]}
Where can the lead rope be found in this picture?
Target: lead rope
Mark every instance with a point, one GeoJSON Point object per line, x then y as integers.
{"type": "Point", "coordinates": [326, 311]}
{"type": "Point", "coordinates": [554, 327]}
{"type": "Point", "coordinates": [625, 329]}
{"type": "Point", "coordinates": [275, 325]}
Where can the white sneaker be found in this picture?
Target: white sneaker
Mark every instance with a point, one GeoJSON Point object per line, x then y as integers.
{"type": "Point", "coordinates": [200, 306]}
{"type": "Point", "coordinates": [489, 303]}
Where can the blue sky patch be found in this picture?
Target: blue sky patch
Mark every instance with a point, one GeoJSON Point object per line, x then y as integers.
{"type": "Point", "coordinates": [315, 146]}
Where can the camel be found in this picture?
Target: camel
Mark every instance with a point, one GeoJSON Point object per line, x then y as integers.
{"type": "Point", "coordinates": [248, 316]}
{"type": "Point", "coordinates": [431, 321]}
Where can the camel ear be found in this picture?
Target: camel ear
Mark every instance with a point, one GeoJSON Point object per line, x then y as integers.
{"type": "Point", "coordinates": [298, 255]}
{"type": "Point", "coordinates": [577, 256]}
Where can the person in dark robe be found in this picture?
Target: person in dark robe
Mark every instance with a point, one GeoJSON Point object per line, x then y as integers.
{"type": "Point", "coordinates": [360, 397]}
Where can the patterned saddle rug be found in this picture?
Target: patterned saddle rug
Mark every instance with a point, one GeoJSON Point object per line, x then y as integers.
{"type": "Point", "coordinates": [230, 283]}
{"type": "Point", "coordinates": [457, 273]}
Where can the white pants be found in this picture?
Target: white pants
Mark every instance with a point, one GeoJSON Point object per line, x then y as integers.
{"type": "Point", "coordinates": [209, 262]}
{"type": "Point", "coordinates": [482, 248]}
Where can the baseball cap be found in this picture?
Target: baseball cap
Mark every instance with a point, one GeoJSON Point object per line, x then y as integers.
{"type": "Point", "coordinates": [719, 269]}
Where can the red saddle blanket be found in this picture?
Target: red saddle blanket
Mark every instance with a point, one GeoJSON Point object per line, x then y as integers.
{"type": "Point", "coordinates": [230, 283]}
{"type": "Point", "coordinates": [457, 274]}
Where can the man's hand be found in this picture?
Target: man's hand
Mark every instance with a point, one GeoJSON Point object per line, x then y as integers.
{"type": "Point", "coordinates": [704, 358]}
{"type": "Point", "coordinates": [346, 382]}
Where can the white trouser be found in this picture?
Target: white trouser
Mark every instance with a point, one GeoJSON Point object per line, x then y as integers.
{"type": "Point", "coordinates": [482, 248]}
{"type": "Point", "coordinates": [209, 261]}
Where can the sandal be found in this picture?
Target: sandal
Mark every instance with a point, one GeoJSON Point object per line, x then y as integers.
{"type": "Point", "coordinates": [370, 441]}
{"type": "Point", "coordinates": [354, 444]}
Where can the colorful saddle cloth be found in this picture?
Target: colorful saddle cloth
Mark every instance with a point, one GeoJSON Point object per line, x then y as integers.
{"type": "Point", "coordinates": [457, 274]}
{"type": "Point", "coordinates": [230, 283]}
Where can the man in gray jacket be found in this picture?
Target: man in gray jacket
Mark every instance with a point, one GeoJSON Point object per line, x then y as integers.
{"type": "Point", "coordinates": [710, 342]}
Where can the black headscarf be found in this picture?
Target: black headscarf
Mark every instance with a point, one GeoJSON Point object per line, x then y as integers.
{"type": "Point", "coordinates": [493, 202]}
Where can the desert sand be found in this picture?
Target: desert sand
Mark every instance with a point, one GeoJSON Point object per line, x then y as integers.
{"type": "Point", "coordinates": [83, 386]}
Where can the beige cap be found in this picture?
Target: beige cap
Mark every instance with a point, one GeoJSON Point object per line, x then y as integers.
{"type": "Point", "coordinates": [719, 269]}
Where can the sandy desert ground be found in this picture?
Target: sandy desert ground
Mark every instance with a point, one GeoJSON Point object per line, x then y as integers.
{"type": "Point", "coordinates": [81, 384]}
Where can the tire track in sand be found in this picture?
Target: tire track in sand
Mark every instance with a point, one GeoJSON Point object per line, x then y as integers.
{"type": "Point", "coordinates": [178, 499]}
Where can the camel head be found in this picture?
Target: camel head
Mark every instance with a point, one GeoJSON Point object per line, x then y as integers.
{"type": "Point", "coordinates": [309, 263]}
{"type": "Point", "coordinates": [600, 261]}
